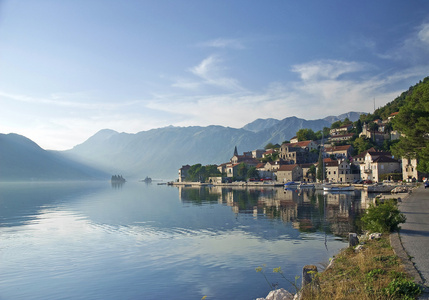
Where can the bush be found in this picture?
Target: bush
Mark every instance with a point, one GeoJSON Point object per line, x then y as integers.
{"type": "Point", "coordinates": [402, 289]}
{"type": "Point", "coordinates": [383, 217]}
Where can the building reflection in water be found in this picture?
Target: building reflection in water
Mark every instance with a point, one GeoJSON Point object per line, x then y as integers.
{"type": "Point", "coordinates": [307, 210]}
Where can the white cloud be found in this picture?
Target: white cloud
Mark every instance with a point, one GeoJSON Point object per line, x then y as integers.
{"type": "Point", "coordinates": [326, 69]}
{"type": "Point", "coordinates": [414, 49]}
{"type": "Point", "coordinates": [423, 34]}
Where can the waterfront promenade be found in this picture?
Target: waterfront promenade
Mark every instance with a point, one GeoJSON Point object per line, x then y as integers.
{"type": "Point", "coordinates": [414, 237]}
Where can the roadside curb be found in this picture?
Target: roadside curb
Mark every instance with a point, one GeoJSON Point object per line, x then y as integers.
{"type": "Point", "coordinates": [398, 249]}
{"type": "Point", "coordinates": [410, 268]}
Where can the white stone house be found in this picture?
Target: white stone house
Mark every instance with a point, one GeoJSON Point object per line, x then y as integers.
{"type": "Point", "coordinates": [288, 173]}
{"type": "Point", "coordinates": [378, 163]}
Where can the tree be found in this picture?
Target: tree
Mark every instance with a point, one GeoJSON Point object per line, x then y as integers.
{"type": "Point", "coordinates": [323, 133]}
{"type": "Point", "coordinates": [320, 168]}
{"type": "Point", "coordinates": [252, 173]}
{"type": "Point", "coordinates": [270, 146]}
{"type": "Point", "coordinates": [358, 126]}
{"type": "Point", "coordinates": [311, 173]}
{"type": "Point", "coordinates": [305, 134]}
{"type": "Point", "coordinates": [362, 144]}
{"type": "Point", "coordinates": [412, 122]}
{"type": "Point", "coordinates": [336, 124]}
{"type": "Point", "coordinates": [242, 171]}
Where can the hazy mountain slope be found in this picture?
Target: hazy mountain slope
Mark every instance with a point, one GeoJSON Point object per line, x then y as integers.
{"type": "Point", "coordinates": [287, 128]}
{"type": "Point", "coordinates": [261, 124]}
{"type": "Point", "coordinates": [21, 159]}
{"type": "Point", "coordinates": [353, 116]}
{"type": "Point", "coordinates": [161, 152]}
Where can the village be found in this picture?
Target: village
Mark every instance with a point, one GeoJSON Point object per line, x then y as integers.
{"type": "Point", "coordinates": [298, 161]}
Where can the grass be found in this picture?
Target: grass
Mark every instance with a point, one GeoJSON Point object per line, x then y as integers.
{"type": "Point", "coordinates": [374, 272]}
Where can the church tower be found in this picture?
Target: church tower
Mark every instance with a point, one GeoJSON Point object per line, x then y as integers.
{"type": "Point", "coordinates": [235, 151]}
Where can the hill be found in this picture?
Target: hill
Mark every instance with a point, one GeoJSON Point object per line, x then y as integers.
{"type": "Point", "coordinates": [159, 153]}
{"type": "Point", "coordinates": [23, 160]}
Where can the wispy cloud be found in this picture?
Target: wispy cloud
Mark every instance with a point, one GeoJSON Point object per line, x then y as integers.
{"type": "Point", "coordinates": [209, 72]}
{"type": "Point", "coordinates": [423, 34]}
{"type": "Point", "coordinates": [223, 43]}
{"type": "Point", "coordinates": [68, 100]}
{"type": "Point", "coordinates": [414, 49]}
{"type": "Point", "coordinates": [326, 69]}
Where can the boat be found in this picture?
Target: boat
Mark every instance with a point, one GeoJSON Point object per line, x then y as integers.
{"type": "Point", "coordinates": [306, 186]}
{"type": "Point", "coordinates": [333, 188]}
{"type": "Point", "coordinates": [147, 179]}
{"type": "Point", "coordinates": [291, 185]}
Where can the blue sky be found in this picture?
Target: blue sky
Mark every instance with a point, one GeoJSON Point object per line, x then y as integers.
{"type": "Point", "coordinates": [70, 68]}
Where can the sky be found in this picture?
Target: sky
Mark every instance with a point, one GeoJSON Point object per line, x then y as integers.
{"type": "Point", "coordinates": [73, 67]}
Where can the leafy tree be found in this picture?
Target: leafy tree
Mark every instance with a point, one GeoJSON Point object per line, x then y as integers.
{"type": "Point", "coordinates": [384, 217]}
{"type": "Point", "coordinates": [311, 173]}
{"type": "Point", "coordinates": [336, 124]}
{"type": "Point", "coordinates": [305, 134]}
{"type": "Point", "coordinates": [252, 173]}
{"type": "Point", "coordinates": [362, 144]}
{"type": "Point", "coordinates": [199, 172]}
{"type": "Point", "coordinates": [347, 121]}
{"type": "Point", "coordinates": [269, 146]}
{"type": "Point", "coordinates": [325, 132]}
{"type": "Point", "coordinates": [242, 171]}
{"type": "Point", "coordinates": [272, 146]}
{"type": "Point", "coordinates": [413, 123]}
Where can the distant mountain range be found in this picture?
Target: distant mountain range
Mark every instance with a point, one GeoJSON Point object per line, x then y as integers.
{"type": "Point", "coordinates": [157, 153]}
{"type": "Point", "coordinates": [23, 160]}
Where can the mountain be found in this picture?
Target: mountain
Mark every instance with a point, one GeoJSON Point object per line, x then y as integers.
{"type": "Point", "coordinates": [159, 153]}
{"type": "Point", "coordinates": [21, 159]}
{"type": "Point", "coordinates": [352, 116]}
{"type": "Point", "coordinates": [261, 124]}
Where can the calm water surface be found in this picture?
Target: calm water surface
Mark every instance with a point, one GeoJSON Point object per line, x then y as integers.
{"type": "Point", "coordinates": [148, 241]}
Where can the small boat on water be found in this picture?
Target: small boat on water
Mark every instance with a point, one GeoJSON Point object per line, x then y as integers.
{"type": "Point", "coordinates": [306, 186]}
{"type": "Point", "coordinates": [291, 185]}
{"type": "Point", "coordinates": [332, 188]}
{"type": "Point", "coordinates": [147, 179]}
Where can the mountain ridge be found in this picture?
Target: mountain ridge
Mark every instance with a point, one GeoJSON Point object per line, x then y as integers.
{"type": "Point", "coordinates": [157, 153]}
{"type": "Point", "coordinates": [161, 152]}
{"type": "Point", "coordinates": [21, 159]}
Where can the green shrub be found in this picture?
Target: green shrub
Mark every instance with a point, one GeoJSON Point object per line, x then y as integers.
{"type": "Point", "coordinates": [403, 289]}
{"type": "Point", "coordinates": [383, 217]}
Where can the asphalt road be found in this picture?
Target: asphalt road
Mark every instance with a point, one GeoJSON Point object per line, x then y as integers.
{"type": "Point", "coordinates": [414, 233]}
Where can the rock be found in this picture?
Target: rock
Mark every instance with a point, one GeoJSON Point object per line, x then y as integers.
{"type": "Point", "coordinates": [358, 248]}
{"type": "Point", "coordinates": [353, 239]}
{"type": "Point", "coordinates": [374, 236]}
{"type": "Point", "coordinates": [308, 274]}
{"type": "Point", "coordinates": [280, 294]}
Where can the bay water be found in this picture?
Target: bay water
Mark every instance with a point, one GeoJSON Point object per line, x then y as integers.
{"type": "Point", "coordinates": [95, 240]}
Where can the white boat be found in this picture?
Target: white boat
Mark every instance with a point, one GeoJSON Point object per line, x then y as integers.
{"type": "Point", "coordinates": [306, 186]}
{"type": "Point", "coordinates": [338, 188]}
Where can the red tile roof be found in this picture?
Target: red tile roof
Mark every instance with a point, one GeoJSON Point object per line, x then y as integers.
{"type": "Point", "coordinates": [287, 167]}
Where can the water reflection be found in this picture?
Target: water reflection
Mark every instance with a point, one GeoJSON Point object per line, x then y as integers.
{"type": "Point", "coordinates": [139, 241]}
{"type": "Point", "coordinates": [307, 210]}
